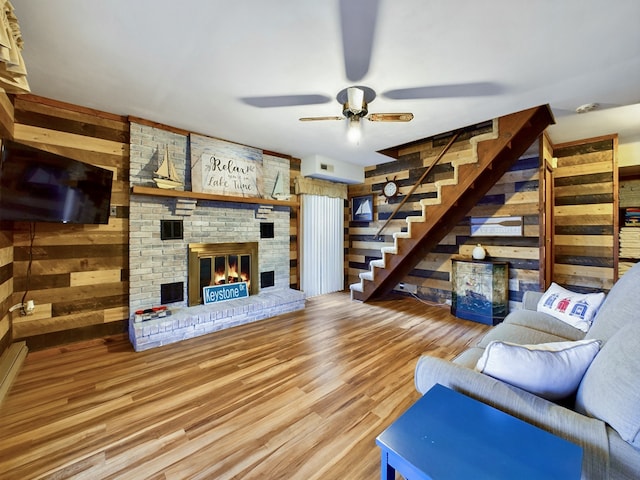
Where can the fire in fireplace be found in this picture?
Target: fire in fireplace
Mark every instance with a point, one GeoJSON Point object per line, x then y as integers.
{"type": "Point", "coordinates": [219, 264]}
{"type": "Point", "coordinates": [226, 269]}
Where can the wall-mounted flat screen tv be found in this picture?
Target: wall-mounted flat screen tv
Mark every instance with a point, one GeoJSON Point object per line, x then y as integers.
{"type": "Point", "coordinates": [39, 186]}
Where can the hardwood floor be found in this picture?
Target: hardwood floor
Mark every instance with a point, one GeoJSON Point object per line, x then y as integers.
{"type": "Point", "coordinates": [299, 396]}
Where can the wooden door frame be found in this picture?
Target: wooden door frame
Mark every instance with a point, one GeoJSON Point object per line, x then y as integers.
{"type": "Point", "coordinates": [545, 211]}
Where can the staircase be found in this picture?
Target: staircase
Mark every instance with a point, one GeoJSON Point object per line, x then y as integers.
{"type": "Point", "coordinates": [494, 153]}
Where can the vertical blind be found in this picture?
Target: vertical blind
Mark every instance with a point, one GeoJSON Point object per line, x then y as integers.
{"type": "Point", "coordinates": [322, 266]}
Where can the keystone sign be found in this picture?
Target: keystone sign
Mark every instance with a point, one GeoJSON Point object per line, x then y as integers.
{"type": "Point", "coordinates": [222, 293]}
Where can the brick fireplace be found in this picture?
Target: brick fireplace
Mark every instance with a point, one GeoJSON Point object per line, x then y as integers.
{"type": "Point", "coordinates": [158, 259]}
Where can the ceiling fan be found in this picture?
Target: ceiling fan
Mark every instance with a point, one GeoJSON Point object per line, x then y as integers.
{"type": "Point", "coordinates": [355, 102]}
{"type": "Point", "coordinates": [358, 19]}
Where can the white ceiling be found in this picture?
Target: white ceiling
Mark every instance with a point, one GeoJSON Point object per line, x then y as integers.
{"type": "Point", "coordinates": [190, 64]}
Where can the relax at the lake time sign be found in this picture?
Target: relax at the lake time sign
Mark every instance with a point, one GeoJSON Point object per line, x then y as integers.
{"type": "Point", "coordinates": [225, 168]}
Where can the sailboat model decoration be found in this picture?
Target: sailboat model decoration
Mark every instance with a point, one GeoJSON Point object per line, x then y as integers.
{"type": "Point", "coordinates": [278, 192]}
{"type": "Point", "coordinates": [166, 176]}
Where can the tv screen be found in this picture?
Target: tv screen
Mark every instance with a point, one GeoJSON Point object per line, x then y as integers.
{"type": "Point", "coordinates": [38, 186]}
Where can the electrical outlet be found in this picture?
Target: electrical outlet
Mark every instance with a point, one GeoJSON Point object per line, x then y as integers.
{"type": "Point", "coordinates": [25, 308]}
{"type": "Point", "coordinates": [30, 307]}
{"type": "Point", "coordinates": [407, 287]}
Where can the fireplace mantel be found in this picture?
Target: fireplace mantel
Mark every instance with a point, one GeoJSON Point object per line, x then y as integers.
{"type": "Point", "coordinates": [156, 192]}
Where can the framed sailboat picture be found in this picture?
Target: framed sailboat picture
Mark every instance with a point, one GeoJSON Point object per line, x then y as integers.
{"type": "Point", "coordinates": [362, 208]}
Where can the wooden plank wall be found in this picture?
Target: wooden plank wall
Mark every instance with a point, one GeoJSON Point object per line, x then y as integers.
{"type": "Point", "coordinates": [516, 193]}
{"type": "Point", "coordinates": [585, 214]}
{"type": "Point", "coordinates": [6, 115]}
{"type": "Point", "coordinates": [6, 288]}
{"type": "Point", "coordinates": [79, 278]}
{"type": "Point", "coordinates": [294, 226]}
{"type": "Point", "coordinates": [6, 240]}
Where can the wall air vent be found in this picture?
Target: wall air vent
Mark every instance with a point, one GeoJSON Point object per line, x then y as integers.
{"type": "Point", "coordinates": [325, 168]}
{"type": "Point", "coordinates": [171, 230]}
{"type": "Point", "coordinates": [267, 279]}
{"type": "Point", "coordinates": [267, 230]}
{"type": "Point", "coordinates": [171, 292]}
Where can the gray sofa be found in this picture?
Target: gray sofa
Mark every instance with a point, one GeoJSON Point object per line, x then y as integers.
{"type": "Point", "coordinates": [604, 414]}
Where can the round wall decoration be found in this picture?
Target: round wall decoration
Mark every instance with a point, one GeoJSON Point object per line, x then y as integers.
{"type": "Point", "coordinates": [390, 189]}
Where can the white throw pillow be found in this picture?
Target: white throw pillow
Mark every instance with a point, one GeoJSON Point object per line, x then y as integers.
{"type": "Point", "coordinates": [549, 370]}
{"type": "Point", "coordinates": [576, 309]}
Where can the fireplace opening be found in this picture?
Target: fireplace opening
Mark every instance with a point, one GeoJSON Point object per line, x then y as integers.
{"type": "Point", "coordinates": [223, 269]}
{"type": "Point", "coordinates": [220, 264]}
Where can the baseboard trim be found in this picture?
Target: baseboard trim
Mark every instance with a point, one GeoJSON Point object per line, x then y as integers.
{"type": "Point", "coordinates": [10, 364]}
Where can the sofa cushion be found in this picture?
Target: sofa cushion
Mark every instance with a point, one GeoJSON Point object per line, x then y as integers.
{"type": "Point", "coordinates": [550, 370]}
{"type": "Point", "coordinates": [621, 306]}
{"type": "Point", "coordinates": [521, 327]}
{"type": "Point", "coordinates": [576, 309]}
{"type": "Point", "coordinates": [530, 300]}
{"type": "Point", "coordinates": [544, 323]}
{"type": "Point", "coordinates": [610, 390]}
{"type": "Point", "coordinates": [509, 332]}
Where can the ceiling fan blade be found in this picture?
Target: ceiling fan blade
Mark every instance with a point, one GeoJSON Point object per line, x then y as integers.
{"type": "Point", "coordinates": [313, 119]}
{"type": "Point", "coordinates": [358, 20]}
{"type": "Point", "coordinates": [472, 89]}
{"type": "Point", "coordinates": [390, 117]}
{"type": "Point", "coordinates": [285, 100]}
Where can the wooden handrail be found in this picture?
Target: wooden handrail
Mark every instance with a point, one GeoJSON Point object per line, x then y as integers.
{"type": "Point", "coordinates": [417, 184]}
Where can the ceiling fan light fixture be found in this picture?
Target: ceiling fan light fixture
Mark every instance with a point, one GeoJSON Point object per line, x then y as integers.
{"type": "Point", "coordinates": [355, 100]}
{"type": "Point", "coordinates": [349, 112]}
{"type": "Point", "coordinates": [354, 130]}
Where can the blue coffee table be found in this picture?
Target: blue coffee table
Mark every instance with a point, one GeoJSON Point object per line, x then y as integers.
{"type": "Point", "coordinates": [447, 435]}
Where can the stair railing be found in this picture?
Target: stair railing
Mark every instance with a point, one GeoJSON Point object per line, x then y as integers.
{"type": "Point", "coordinates": [418, 183]}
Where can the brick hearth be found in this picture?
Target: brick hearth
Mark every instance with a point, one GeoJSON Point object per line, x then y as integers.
{"type": "Point", "coordinates": [200, 320]}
